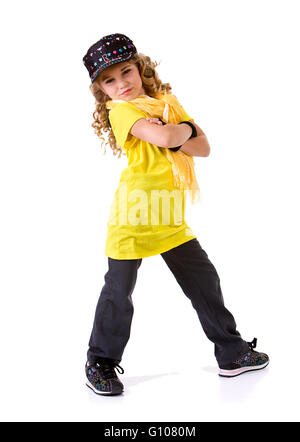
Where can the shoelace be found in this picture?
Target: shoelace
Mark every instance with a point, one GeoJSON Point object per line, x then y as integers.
{"type": "Point", "coordinates": [107, 368]}
{"type": "Point", "coordinates": [252, 344]}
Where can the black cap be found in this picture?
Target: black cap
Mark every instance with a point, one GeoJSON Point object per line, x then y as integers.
{"type": "Point", "coordinates": [111, 49]}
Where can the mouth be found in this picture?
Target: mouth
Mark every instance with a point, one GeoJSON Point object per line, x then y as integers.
{"type": "Point", "coordinates": [126, 92]}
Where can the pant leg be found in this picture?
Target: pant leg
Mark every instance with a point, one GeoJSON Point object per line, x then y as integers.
{"type": "Point", "coordinates": [114, 311]}
{"type": "Point", "coordinates": [200, 282]}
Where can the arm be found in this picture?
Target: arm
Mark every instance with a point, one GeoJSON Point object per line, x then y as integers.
{"type": "Point", "coordinates": [154, 134]}
{"type": "Point", "coordinates": [178, 134]}
{"type": "Point", "coordinates": [169, 135]}
{"type": "Point", "coordinates": [161, 136]}
{"type": "Point", "coordinates": [197, 146]}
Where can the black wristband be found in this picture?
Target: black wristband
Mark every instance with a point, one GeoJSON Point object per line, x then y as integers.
{"type": "Point", "coordinates": [194, 130]}
{"type": "Point", "coordinates": [175, 148]}
{"type": "Point", "coordinates": [194, 133]}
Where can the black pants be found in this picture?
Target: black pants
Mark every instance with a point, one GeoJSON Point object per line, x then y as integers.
{"type": "Point", "coordinates": [200, 282]}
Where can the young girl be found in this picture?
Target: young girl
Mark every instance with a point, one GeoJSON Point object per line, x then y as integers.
{"type": "Point", "coordinates": [146, 122]}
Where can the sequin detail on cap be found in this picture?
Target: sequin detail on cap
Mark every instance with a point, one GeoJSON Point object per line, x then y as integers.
{"type": "Point", "coordinates": [109, 50]}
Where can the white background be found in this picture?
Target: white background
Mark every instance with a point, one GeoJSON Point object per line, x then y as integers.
{"type": "Point", "coordinates": [234, 66]}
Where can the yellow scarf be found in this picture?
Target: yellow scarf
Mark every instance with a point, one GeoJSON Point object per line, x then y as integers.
{"type": "Point", "coordinates": [167, 107]}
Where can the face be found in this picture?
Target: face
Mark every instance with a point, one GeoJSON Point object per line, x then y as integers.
{"type": "Point", "coordinates": [119, 77]}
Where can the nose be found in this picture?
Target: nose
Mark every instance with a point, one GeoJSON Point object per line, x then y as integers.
{"type": "Point", "coordinates": [123, 85]}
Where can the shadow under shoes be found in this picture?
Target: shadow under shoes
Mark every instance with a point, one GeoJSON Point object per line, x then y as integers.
{"type": "Point", "coordinates": [102, 378]}
{"type": "Point", "coordinates": [252, 360]}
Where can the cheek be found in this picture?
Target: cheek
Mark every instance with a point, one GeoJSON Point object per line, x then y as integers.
{"type": "Point", "coordinates": [137, 78]}
{"type": "Point", "coordinates": [109, 87]}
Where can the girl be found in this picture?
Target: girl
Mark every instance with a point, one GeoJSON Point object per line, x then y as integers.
{"type": "Point", "coordinates": [146, 122]}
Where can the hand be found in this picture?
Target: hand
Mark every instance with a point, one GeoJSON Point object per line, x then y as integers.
{"type": "Point", "coordinates": [154, 121]}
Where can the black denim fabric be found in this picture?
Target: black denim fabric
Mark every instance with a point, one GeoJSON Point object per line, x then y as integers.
{"type": "Point", "coordinates": [200, 282]}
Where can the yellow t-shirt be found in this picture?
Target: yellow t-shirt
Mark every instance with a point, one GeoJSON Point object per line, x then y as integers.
{"type": "Point", "coordinates": [147, 213]}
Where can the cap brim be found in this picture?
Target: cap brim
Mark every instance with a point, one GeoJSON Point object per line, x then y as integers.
{"type": "Point", "coordinates": [110, 63]}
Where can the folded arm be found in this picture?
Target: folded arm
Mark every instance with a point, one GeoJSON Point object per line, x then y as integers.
{"type": "Point", "coordinates": [172, 135]}
{"type": "Point", "coordinates": [197, 146]}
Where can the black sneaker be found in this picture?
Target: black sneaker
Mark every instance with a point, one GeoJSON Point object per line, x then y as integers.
{"type": "Point", "coordinates": [252, 360]}
{"type": "Point", "coordinates": [102, 378]}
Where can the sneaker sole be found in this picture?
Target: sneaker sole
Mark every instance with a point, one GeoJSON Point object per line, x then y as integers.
{"type": "Point", "coordinates": [105, 393]}
{"type": "Point", "coordinates": [238, 371]}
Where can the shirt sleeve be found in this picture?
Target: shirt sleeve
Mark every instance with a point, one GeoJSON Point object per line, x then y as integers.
{"type": "Point", "coordinates": [122, 117]}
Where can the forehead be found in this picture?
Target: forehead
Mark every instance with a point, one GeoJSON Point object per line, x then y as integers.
{"type": "Point", "coordinates": [112, 70]}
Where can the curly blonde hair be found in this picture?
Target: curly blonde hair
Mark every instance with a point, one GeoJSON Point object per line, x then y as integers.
{"type": "Point", "coordinates": [151, 84]}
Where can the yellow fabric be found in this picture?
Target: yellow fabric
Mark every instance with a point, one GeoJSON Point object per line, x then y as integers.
{"type": "Point", "coordinates": [142, 224]}
{"type": "Point", "coordinates": [166, 107]}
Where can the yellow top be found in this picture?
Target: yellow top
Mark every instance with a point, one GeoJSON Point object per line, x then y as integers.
{"type": "Point", "coordinates": [147, 213]}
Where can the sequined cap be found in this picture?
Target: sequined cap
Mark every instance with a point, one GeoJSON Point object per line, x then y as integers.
{"type": "Point", "coordinates": [109, 50]}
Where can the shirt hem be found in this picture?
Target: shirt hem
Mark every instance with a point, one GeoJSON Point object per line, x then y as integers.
{"type": "Point", "coordinates": [153, 253]}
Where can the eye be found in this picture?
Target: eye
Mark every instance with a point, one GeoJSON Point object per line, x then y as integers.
{"type": "Point", "coordinates": [127, 70]}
